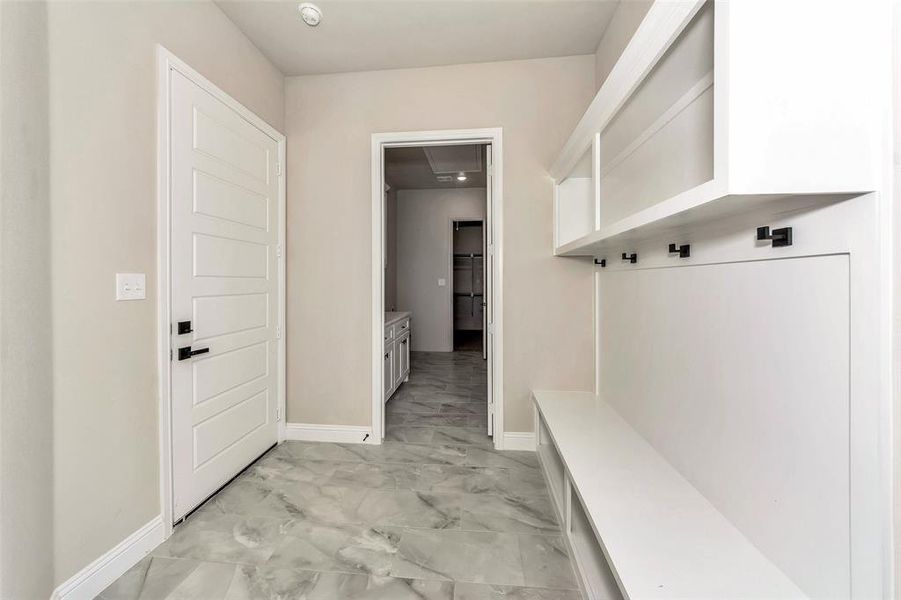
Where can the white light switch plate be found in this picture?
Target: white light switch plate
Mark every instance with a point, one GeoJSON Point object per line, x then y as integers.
{"type": "Point", "coordinates": [131, 286]}
{"type": "Point", "coordinates": [442, 282]}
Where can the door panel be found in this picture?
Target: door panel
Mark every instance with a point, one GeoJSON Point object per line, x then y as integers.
{"type": "Point", "coordinates": [221, 199]}
{"type": "Point", "coordinates": [218, 432]}
{"type": "Point", "coordinates": [220, 315]}
{"type": "Point", "coordinates": [223, 257]}
{"type": "Point", "coordinates": [224, 270]}
{"type": "Point", "coordinates": [230, 141]}
{"type": "Point", "coordinates": [225, 371]}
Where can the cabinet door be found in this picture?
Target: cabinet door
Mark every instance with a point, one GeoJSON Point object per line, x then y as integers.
{"type": "Point", "coordinates": [389, 370]}
{"type": "Point", "coordinates": [398, 352]}
{"type": "Point", "coordinates": [403, 359]}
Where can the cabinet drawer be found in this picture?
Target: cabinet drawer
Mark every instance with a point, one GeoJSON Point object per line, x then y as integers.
{"type": "Point", "coordinates": [401, 327]}
{"type": "Point", "coordinates": [389, 332]}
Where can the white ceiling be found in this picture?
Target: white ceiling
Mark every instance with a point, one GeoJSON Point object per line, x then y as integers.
{"type": "Point", "coordinates": [368, 35]}
{"type": "Point", "coordinates": [408, 168]}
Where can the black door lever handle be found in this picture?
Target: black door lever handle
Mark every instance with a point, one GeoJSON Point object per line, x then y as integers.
{"type": "Point", "coordinates": [186, 352]}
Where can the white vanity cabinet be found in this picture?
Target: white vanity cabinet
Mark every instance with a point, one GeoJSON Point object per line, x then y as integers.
{"type": "Point", "coordinates": [396, 359]}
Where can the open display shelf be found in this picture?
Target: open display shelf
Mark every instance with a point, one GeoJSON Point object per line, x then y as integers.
{"type": "Point", "coordinates": [698, 121]}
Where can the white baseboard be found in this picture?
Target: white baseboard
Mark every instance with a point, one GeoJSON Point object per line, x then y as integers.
{"type": "Point", "coordinates": [343, 434]}
{"type": "Point", "coordinates": [519, 440]}
{"type": "Point", "coordinates": [98, 575]}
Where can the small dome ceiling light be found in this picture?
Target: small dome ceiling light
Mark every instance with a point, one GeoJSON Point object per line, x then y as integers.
{"type": "Point", "coordinates": [310, 13]}
{"type": "Point", "coordinates": [461, 176]}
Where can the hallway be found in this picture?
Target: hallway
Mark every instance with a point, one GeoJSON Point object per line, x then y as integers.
{"type": "Point", "coordinates": [434, 512]}
{"type": "Point", "coordinates": [443, 403]}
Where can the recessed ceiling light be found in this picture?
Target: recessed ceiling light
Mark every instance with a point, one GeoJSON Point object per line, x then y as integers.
{"type": "Point", "coordinates": [310, 13]}
{"type": "Point", "coordinates": [461, 177]}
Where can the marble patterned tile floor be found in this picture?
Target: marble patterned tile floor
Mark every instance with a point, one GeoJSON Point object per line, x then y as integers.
{"type": "Point", "coordinates": [433, 513]}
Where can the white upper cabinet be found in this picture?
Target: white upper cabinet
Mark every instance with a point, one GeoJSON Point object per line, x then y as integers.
{"type": "Point", "coordinates": [715, 107]}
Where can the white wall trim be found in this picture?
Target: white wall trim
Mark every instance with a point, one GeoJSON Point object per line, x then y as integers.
{"type": "Point", "coordinates": [380, 141]}
{"type": "Point", "coordinates": [339, 434]}
{"type": "Point", "coordinates": [98, 575]}
{"type": "Point", "coordinates": [519, 440]}
{"type": "Point", "coordinates": [167, 62]}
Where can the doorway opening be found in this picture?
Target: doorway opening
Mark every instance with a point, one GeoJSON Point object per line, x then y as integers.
{"type": "Point", "coordinates": [468, 286]}
{"type": "Point", "coordinates": [436, 286]}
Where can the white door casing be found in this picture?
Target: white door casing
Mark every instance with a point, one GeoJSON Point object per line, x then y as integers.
{"type": "Point", "coordinates": [486, 297]}
{"type": "Point", "coordinates": [225, 267]}
{"type": "Point", "coordinates": [380, 141]}
{"type": "Point", "coordinates": [488, 347]}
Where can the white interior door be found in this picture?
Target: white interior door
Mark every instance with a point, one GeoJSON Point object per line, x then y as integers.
{"type": "Point", "coordinates": [488, 288]}
{"type": "Point", "coordinates": [225, 281]}
{"type": "Point", "coordinates": [485, 287]}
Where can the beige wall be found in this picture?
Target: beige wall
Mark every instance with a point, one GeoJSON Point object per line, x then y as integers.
{"type": "Point", "coordinates": [329, 120]}
{"type": "Point", "coordinates": [424, 245]}
{"type": "Point", "coordinates": [26, 447]}
{"type": "Point", "coordinates": [625, 21]}
{"type": "Point", "coordinates": [102, 164]}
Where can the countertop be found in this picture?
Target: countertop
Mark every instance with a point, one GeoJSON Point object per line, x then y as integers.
{"type": "Point", "coordinates": [394, 317]}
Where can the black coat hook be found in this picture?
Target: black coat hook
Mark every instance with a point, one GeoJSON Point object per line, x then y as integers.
{"type": "Point", "coordinates": [601, 261]}
{"type": "Point", "coordinates": [780, 237]}
{"type": "Point", "coordinates": [684, 251]}
{"type": "Point", "coordinates": [632, 258]}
